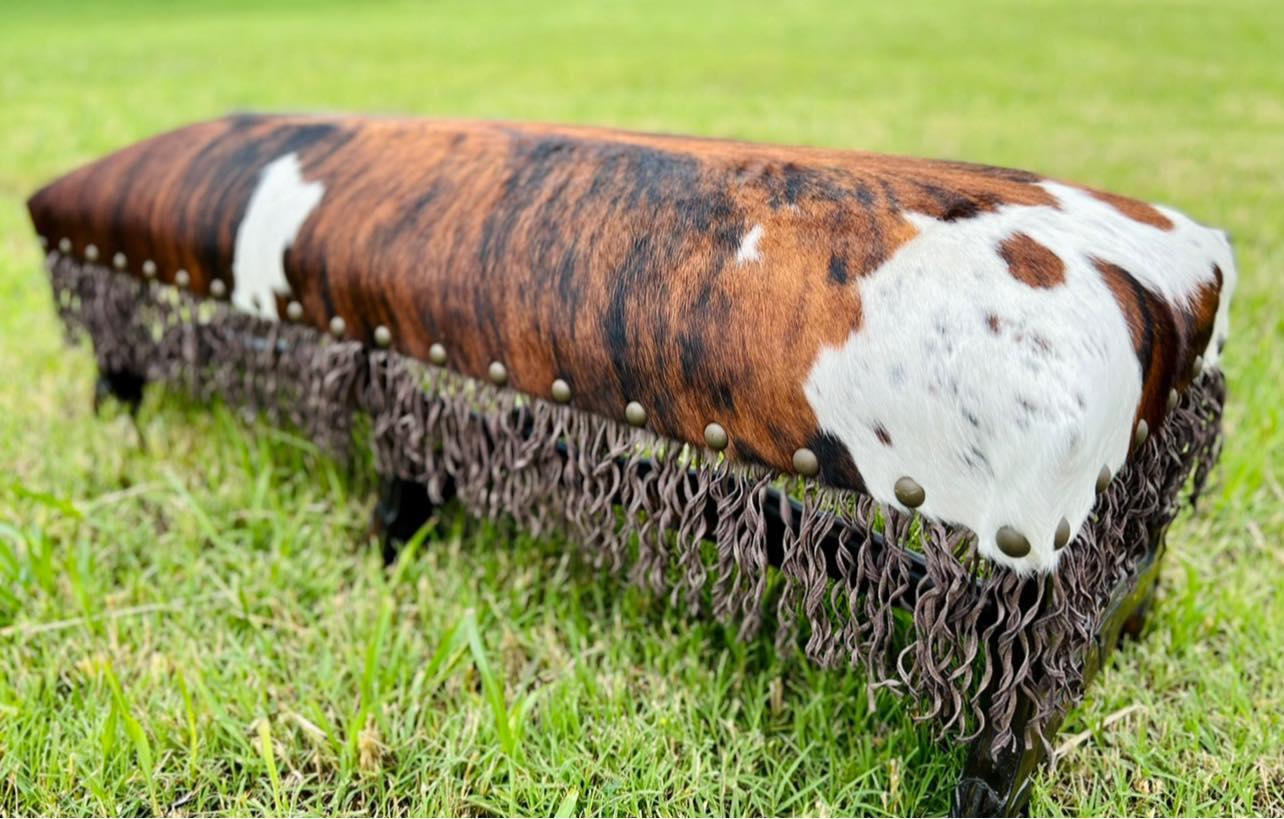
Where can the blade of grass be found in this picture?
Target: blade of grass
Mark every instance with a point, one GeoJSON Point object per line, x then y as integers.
{"type": "Point", "coordinates": [137, 736]}
{"type": "Point", "coordinates": [269, 760]}
{"type": "Point", "coordinates": [567, 806]}
{"type": "Point", "coordinates": [492, 685]}
{"type": "Point", "coordinates": [193, 738]}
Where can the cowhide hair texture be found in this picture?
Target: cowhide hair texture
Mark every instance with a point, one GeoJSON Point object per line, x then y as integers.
{"type": "Point", "coordinates": [963, 361]}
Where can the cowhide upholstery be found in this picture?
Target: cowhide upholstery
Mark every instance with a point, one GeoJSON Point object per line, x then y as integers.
{"type": "Point", "coordinates": [998, 338]}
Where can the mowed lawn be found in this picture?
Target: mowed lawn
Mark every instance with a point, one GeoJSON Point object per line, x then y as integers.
{"type": "Point", "coordinates": [204, 626]}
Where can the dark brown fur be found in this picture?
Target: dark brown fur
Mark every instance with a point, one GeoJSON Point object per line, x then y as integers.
{"type": "Point", "coordinates": [1166, 340]}
{"type": "Point", "coordinates": [1031, 262]}
{"type": "Point", "coordinates": [1138, 211]}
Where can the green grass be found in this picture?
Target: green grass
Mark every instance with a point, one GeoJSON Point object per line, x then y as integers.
{"type": "Point", "coordinates": [204, 626]}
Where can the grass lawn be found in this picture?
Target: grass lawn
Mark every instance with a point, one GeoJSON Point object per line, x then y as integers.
{"type": "Point", "coordinates": [203, 626]}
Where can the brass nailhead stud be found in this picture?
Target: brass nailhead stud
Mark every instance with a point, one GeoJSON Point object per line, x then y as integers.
{"type": "Point", "coordinates": [909, 493]}
{"type": "Point", "coordinates": [1143, 432]}
{"type": "Point", "coordinates": [217, 289]}
{"type": "Point", "coordinates": [561, 392]}
{"type": "Point", "coordinates": [716, 437]}
{"type": "Point", "coordinates": [497, 373]}
{"type": "Point", "coordinates": [294, 312]}
{"type": "Point", "coordinates": [382, 335]}
{"type": "Point", "coordinates": [338, 327]}
{"type": "Point", "coordinates": [149, 269]}
{"type": "Point", "coordinates": [64, 244]}
{"type": "Point", "coordinates": [1173, 398]}
{"type": "Point", "coordinates": [806, 463]}
{"type": "Point", "coordinates": [182, 279]}
{"type": "Point", "coordinates": [1011, 542]}
{"type": "Point", "coordinates": [119, 261]}
{"type": "Point", "coordinates": [1197, 366]}
{"type": "Point", "coordinates": [635, 414]}
{"type": "Point", "coordinates": [1062, 537]}
{"type": "Point", "coordinates": [437, 354]}
{"type": "Point", "coordinates": [91, 252]}
{"type": "Point", "coordinates": [1103, 479]}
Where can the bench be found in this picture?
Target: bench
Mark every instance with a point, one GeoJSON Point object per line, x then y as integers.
{"type": "Point", "coordinates": [954, 407]}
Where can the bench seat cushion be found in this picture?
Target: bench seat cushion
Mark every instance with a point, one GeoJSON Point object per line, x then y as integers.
{"type": "Point", "coordinates": [977, 343]}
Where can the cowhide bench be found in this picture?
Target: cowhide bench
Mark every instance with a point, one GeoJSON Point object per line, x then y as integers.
{"type": "Point", "coordinates": [955, 406]}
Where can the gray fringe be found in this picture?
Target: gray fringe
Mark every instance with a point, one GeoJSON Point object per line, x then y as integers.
{"type": "Point", "coordinates": [635, 502]}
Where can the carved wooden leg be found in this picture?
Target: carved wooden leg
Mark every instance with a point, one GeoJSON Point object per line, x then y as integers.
{"type": "Point", "coordinates": [1136, 621]}
{"type": "Point", "coordinates": [402, 509]}
{"type": "Point", "coordinates": [126, 387]}
{"type": "Point", "coordinates": [999, 784]}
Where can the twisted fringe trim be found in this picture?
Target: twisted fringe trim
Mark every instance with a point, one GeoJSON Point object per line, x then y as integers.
{"type": "Point", "coordinates": [636, 504]}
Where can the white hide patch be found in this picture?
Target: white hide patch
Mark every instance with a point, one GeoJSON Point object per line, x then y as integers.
{"type": "Point", "coordinates": [277, 209]}
{"type": "Point", "coordinates": [1006, 427]}
{"type": "Point", "coordinates": [748, 251]}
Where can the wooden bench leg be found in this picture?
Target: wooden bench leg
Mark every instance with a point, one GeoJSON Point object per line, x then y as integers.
{"type": "Point", "coordinates": [127, 388]}
{"type": "Point", "coordinates": [122, 385]}
{"type": "Point", "coordinates": [402, 509]}
{"type": "Point", "coordinates": [1135, 622]}
{"type": "Point", "coordinates": [999, 784]}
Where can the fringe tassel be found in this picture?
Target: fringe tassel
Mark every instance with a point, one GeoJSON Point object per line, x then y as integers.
{"type": "Point", "coordinates": [640, 505]}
